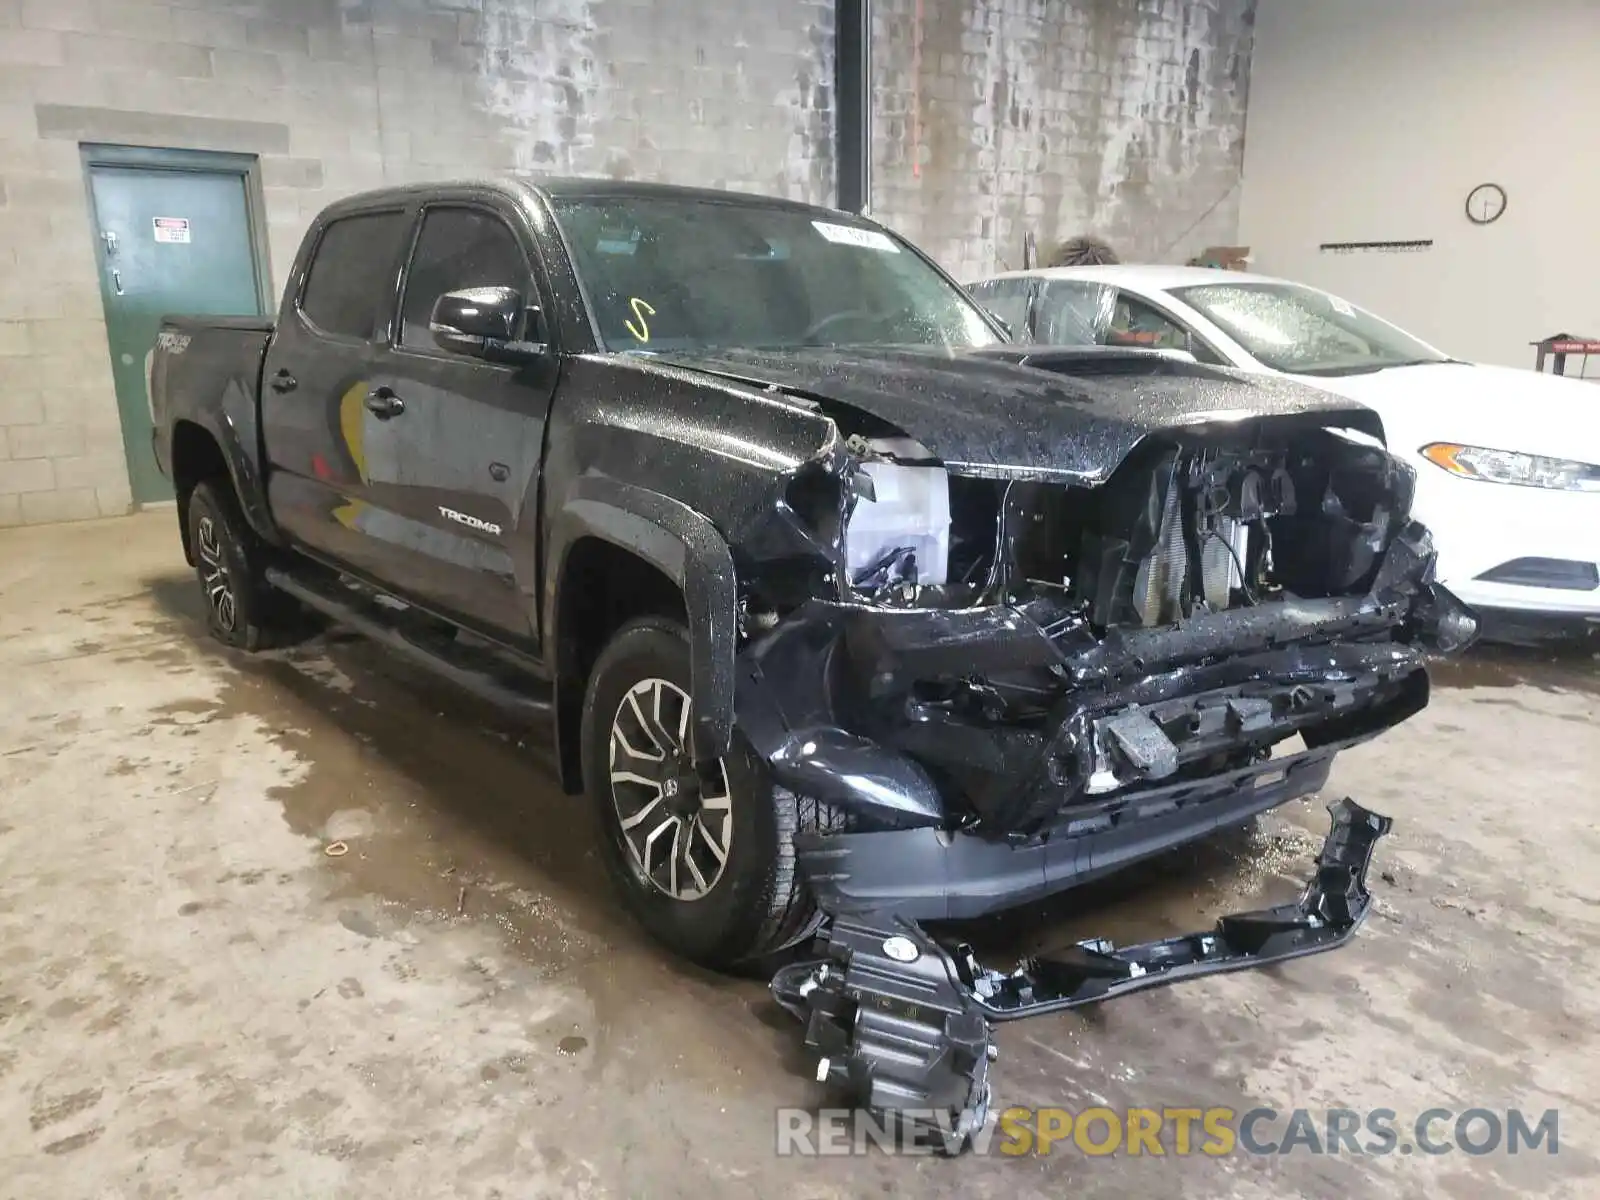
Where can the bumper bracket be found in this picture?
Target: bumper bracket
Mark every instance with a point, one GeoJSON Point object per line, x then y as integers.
{"type": "Point", "coordinates": [904, 1024]}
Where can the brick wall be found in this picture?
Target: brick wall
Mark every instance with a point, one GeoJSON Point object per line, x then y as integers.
{"type": "Point", "coordinates": [1123, 118]}
{"type": "Point", "coordinates": [339, 95]}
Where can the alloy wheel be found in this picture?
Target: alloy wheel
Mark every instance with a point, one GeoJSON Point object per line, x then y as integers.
{"type": "Point", "coordinates": [676, 816]}
{"type": "Point", "coordinates": [214, 576]}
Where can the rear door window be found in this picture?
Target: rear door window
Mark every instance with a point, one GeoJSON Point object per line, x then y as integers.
{"type": "Point", "coordinates": [1074, 312]}
{"type": "Point", "coordinates": [352, 273]}
{"type": "Point", "coordinates": [1079, 312]}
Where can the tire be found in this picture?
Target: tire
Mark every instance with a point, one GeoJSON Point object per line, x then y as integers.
{"type": "Point", "coordinates": [755, 903]}
{"type": "Point", "coordinates": [241, 609]}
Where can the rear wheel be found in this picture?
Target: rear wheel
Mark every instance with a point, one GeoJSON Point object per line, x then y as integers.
{"type": "Point", "coordinates": [241, 610]}
{"type": "Point", "coordinates": [702, 854]}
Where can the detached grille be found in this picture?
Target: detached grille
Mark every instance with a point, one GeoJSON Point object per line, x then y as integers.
{"type": "Point", "coordinates": [1558, 573]}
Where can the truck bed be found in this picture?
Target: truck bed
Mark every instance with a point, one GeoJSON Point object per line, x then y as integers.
{"type": "Point", "coordinates": [202, 367]}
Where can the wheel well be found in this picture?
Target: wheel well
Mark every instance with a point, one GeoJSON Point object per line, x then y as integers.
{"type": "Point", "coordinates": [602, 587]}
{"type": "Point", "coordinates": [196, 457]}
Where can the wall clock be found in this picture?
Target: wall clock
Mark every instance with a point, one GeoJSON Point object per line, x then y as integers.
{"type": "Point", "coordinates": [1486, 204]}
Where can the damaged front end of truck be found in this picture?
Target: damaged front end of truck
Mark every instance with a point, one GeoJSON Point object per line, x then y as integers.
{"type": "Point", "coordinates": [1008, 679]}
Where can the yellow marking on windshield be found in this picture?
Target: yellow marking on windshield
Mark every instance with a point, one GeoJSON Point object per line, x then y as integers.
{"type": "Point", "coordinates": [641, 308]}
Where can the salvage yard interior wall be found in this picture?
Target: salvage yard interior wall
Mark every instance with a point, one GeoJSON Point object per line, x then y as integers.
{"type": "Point", "coordinates": [1373, 121]}
{"type": "Point", "coordinates": [1121, 118]}
{"type": "Point", "coordinates": [339, 95]}
{"type": "Point", "coordinates": [994, 117]}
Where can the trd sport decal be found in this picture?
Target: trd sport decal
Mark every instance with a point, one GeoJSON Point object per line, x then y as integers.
{"type": "Point", "coordinates": [470, 521]}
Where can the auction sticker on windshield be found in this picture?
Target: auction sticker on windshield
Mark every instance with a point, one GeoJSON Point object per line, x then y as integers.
{"type": "Point", "coordinates": [849, 235]}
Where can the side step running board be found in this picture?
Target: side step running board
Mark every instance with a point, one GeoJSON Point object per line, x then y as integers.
{"type": "Point", "coordinates": [905, 1024]}
{"type": "Point", "coordinates": [473, 670]}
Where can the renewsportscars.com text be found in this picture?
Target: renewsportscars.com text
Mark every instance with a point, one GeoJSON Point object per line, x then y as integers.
{"type": "Point", "coordinates": [1214, 1132]}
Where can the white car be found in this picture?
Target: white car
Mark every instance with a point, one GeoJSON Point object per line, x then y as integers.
{"type": "Point", "coordinates": [1507, 460]}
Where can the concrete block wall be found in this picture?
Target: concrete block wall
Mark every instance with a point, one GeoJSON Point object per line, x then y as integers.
{"type": "Point", "coordinates": [1121, 118]}
{"type": "Point", "coordinates": [339, 95]}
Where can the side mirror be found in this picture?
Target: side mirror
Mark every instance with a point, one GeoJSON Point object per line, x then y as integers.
{"type": "Point", "coordinates": [483, 323]}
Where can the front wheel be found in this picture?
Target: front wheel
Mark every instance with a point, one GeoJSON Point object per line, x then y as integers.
{"type": "Point", "coordinates": [703, 854]}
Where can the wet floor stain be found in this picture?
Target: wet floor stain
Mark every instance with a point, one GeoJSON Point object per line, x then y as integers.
{"type": "Point", "coordinates": [1551, 669]}
{"type": "Point", "coordinates": [77, 1141]}
{"type": "Point", "coordinates": [502, 844]}
{"type": "Point", "coordinates": [476, 976]}
{"type": "Point", "coordinates": [47, 1112]}
{"type": "Point", "coordinates": [448, 814]}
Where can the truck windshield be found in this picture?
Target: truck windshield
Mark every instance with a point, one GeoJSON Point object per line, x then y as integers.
{"type": "Point", "coordinates": [665, 274]}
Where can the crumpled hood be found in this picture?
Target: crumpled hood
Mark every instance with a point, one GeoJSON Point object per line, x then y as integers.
{"type": "Point", "coordinates": [1503, 408]}
{"type": "Point", "coordinates": [1016, 412]}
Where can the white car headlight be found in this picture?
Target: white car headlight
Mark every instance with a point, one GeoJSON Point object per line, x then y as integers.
{"type": "Point", "coordinates": [1506, 466]}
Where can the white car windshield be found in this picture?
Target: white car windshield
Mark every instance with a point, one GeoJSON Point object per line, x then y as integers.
{"type": "Point", "coordinates": [1301, 331]}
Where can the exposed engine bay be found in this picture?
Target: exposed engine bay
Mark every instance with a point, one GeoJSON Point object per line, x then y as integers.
{"type": "Point", "coordinates": [1178, 530]}
{"type": "Point", "coordinates": [994, 652]}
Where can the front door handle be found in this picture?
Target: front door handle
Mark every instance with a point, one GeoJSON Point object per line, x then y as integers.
{"type": "Point", "coordinates": [383, 403]}
{"type": "Point", "coordinates": [283, 382]}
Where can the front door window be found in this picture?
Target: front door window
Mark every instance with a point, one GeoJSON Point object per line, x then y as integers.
{"type": "Point", "coordinates": [458, 248]}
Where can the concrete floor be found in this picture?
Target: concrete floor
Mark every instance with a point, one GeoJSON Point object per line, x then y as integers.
{"type": "Point", "coordinates": [195, 999]}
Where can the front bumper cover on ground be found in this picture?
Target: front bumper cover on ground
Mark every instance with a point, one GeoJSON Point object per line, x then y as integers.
{"type": "Point", "coordinates": [905, 1023]}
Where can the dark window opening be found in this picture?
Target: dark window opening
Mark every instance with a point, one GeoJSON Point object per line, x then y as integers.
{"type": "Point", "coordinates": [352, 273]}
{"type": "Point", "coordinates": [458, 248]}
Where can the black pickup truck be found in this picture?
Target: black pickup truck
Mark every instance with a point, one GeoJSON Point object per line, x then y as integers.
{"type": "Point", "coordinates": [851, 613]}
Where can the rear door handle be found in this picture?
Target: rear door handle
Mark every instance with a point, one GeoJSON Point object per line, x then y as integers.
{"type": "Point", "coordinates": [282, 381]}
{"type": "Point", "coordinates": [383, 403]}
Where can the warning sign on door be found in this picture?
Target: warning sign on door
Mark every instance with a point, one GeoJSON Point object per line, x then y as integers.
{"type": "Point", "coordinates": [171, 229]}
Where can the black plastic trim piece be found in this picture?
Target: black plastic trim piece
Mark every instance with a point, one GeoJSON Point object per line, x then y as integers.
{"type": "Point", "coordinates": [930, 875]}
{"type": "Point", "coordinates": [904, 1024]}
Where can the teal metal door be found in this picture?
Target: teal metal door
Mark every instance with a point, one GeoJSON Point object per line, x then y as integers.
{"type": "Point", "coordinates": [168, 241]}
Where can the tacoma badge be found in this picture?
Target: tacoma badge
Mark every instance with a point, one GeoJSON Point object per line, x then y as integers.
{"type": "Point", "coordinates": [470, 521]}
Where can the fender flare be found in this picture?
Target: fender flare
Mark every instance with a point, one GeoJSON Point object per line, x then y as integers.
{"type": "Point", "coordinates": [235, 427]}
{"type": "Point", "coordinates": [689, 550]}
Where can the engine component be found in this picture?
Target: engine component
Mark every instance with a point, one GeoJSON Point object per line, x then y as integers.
{"type": "Point", "coordinates": [1159, 582]}
{"type": "Point", "coordinates": [1222, 557]}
